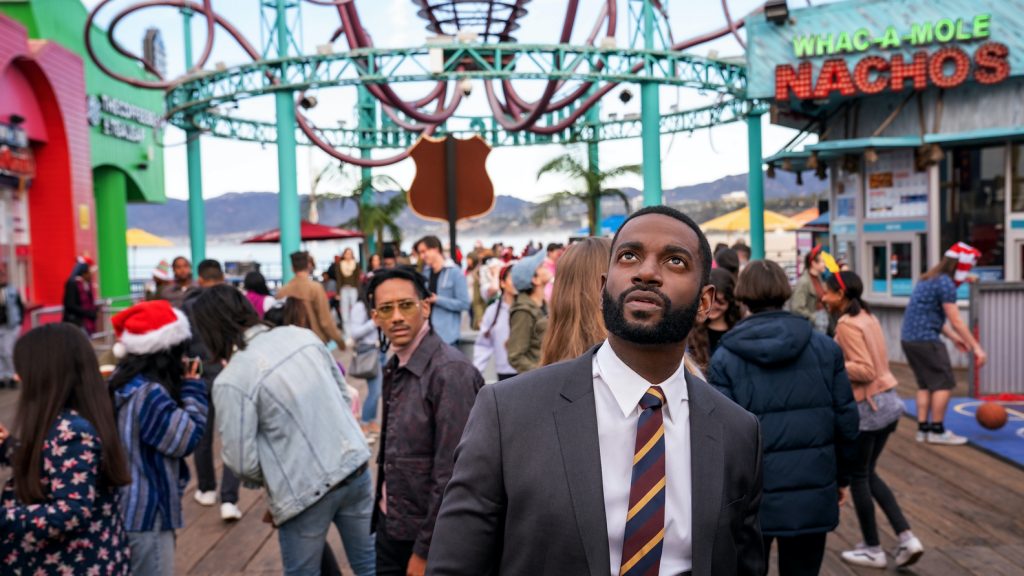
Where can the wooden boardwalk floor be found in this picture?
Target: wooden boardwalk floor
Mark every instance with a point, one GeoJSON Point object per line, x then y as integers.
{"type": "Point", "coordinates": [966, 507]}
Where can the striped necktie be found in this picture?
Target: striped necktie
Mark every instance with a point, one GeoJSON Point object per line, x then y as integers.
{"type": "Point", "coordinates": [645, 522]}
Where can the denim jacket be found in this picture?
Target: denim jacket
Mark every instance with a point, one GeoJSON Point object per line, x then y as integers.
{"type": "Point", "coordinates": [283, 410]}
{"type": "Point", "coordinates": [452, 301]}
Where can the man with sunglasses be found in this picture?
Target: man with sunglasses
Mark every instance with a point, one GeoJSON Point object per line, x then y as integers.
{"type": "Point", "coordinates": [429, 389]}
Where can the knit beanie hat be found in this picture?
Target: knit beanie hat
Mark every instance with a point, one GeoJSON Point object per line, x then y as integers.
{"type": "Point", "coordinates": [163, 272]}
{"type": "Point", "coordinates": [966, 256]}
{"type": "Point", "coordinates": [149, 327]}
{"type": "Point", "coordinates": [523, 271]}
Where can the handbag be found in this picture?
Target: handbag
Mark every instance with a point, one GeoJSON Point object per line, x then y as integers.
{"type": "Point", "coordinates": [365, 364]}
{"type": "Point", "coordinates": [888, 409]}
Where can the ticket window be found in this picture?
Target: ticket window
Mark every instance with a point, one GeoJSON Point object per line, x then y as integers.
{"type": "Point", "coordinates": [896, 264]}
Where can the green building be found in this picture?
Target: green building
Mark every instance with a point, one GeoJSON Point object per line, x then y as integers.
{"type": "Point", "coordinates": [126, 128]}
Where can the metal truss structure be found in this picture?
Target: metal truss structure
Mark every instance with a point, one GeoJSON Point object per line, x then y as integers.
{"type": "Point", "coordinates": [390, 136]}
{"type": "Point", "coordinates": [477, 47]}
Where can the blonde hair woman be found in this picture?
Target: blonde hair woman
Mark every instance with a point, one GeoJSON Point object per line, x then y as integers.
{"type": "Point", "coordinates": [574, 322]}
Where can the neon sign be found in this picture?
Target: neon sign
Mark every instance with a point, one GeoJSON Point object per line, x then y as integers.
{"type": "Point", "coordinates": [947, 67]}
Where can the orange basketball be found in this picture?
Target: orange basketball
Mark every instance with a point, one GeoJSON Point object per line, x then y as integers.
{"type": "Point", "coordinates": [991, 415]}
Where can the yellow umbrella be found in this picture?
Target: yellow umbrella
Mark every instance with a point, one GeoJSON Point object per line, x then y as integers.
{"type": "Point", "coordinates": [137, 237]}
{"type": "Point", "coordinates": [739, 220]}
{"type": "Point", "coordinates": [806, 216]}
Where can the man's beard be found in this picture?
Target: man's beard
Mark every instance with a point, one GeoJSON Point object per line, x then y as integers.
{"type": "Point", "coordinates": [673, 328]}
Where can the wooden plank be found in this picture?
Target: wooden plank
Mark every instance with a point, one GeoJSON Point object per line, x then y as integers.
{"type": "Point", "coordinates": [238, 545]}
{"type": "Point", "coordinates": [984, 560]}
{"type": "Point", "coordinates": [204, 530]}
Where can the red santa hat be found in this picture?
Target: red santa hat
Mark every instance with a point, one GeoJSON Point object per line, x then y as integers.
{"type": "Point", "coordinates": [966, 256]}
{"type": "Point", "coordinates": [149, 327]}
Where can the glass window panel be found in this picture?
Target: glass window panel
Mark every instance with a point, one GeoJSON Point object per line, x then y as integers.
{"type": "Point", "coordinates": [1017, 204]}
{"type": "Point", "coordinates": [901, 268]}
{"type": "Point", "coordinates": [973, 201]}
{"type": "Point", "coordinates": [879, 268]}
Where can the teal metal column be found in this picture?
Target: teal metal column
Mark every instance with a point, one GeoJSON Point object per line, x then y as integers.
{"type": "Point", "coordinates": [650, 119]}
{"type": "Point", "coordinates": [755, 187]}
{"type": "Point", "coordinates": [593, 160]}
{"type": "Point", "coordinates": [196, 208]}
{"type": "Point", "coordinates": [288, 193]}
{"type": "Point", "coordinates": [367, 124]}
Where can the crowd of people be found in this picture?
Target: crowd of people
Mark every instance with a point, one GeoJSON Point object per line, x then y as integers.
{"type": "Point", "coordinates": [657, 404]}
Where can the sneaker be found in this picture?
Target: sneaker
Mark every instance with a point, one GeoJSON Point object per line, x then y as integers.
{"type": "Point", "coordinates": [921, 436]}
{"type": "Point", "coordinates": [908, 552]}
{"type": "Point", "coordinates": [229, 512]}
{"type": "Point", "coordinates": [206, 498]}
{"type": "Point", "coordinates": [947, 438]}
{"type": "Point", "coordinates": [865, 557]}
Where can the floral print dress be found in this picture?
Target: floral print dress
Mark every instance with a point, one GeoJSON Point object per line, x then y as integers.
{"type": "Point", "coordinates": [78, 530]}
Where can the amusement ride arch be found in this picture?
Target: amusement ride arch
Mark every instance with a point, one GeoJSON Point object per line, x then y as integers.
{"type": "Point", "coordinates": [575, 79]}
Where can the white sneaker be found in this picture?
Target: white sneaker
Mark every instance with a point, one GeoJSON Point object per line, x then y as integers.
{"type": "Point", "coordinates": [206, 498]}
{"type": "Point", "coordinates": [865, 557]}
{"type": "Point", "coordinates": [229, 512]}
{"type": "Point", "coordinates": [947, 438]}
{"type": "Point", "coordinates": [909, 552]}
{"type": "Point", "coordinates": [921, 436]}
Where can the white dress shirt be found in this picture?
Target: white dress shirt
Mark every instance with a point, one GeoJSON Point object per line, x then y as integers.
{"type": "Point", "coordinates": [618, 390]}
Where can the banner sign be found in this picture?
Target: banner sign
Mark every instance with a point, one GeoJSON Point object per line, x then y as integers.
{"type": "Point", "coordinates": [855, 49]}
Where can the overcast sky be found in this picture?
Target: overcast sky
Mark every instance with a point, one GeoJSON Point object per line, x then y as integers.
{"type": "Point", "coordinates": [230, 166]}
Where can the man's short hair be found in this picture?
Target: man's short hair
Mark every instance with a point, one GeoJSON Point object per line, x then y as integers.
{"type": "Point", "coordinates": [180, 259]}
{"type": "Point", "coordinates": [702, 240]}
{"type": "Point", "coordinates": [407, 273]}
{"type": "Point", "coordinates": [428, 242]}
{"type": "Point", "coordinates": [555, 246]}
{"type": "Point", "coordinates": [763, 286]}
{"type": "Point", "coordinates": [210, 271]}
{"type": "Point", "coordinates": [741, 248]}
{"type": "Point", "coordinates": [300, 261]}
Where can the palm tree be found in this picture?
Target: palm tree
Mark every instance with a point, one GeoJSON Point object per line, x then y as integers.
{"type": "Point", "coordinates": [372, 218]}
{"type": "Point", "coordinates": [592, 184]}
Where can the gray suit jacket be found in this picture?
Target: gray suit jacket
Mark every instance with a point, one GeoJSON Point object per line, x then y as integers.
{"type": "Point", "coordinates": [526, 495]}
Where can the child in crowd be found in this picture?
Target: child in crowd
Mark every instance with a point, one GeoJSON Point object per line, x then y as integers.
{"type": "Point", "coordinates": [59, 511]}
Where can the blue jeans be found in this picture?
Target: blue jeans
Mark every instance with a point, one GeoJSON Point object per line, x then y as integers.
{"type": "Point", "coordinates": [373, 388]}
{"type": "Point", "coordinates": [349, 507]}
{"type": "Point", "coordinates": [152, 552]}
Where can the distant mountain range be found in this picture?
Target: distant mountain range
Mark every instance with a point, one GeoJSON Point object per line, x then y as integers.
{"type": "Point", "coordinates": [251, 212]}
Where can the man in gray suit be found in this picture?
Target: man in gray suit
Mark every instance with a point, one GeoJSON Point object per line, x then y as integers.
{"type": "Point", "coordinates": [622, 461]}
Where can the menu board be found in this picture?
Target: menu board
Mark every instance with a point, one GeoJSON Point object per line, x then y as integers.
{"type": "Point", "coordinates": [894, 189]}
{"type": "Point", "coordinates": [847, 188]}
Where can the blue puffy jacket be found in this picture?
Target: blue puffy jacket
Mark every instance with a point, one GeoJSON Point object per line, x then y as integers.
{"type": "Point", "coordinates": [794, 379]}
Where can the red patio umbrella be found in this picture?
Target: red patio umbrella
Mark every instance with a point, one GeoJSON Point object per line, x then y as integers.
{"type": "Point", "coordinates": [310, 232]}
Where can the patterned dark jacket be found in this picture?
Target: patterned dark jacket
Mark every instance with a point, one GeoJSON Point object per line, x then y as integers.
{"type": "Point", "coordinates": [426, 405]}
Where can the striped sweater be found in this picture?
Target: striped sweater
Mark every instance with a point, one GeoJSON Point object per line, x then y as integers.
{"type": "Point", "coordinates": [157, 435]}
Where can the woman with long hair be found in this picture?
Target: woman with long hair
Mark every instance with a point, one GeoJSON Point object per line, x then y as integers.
{"type": "Point", "coordinates": [67, 462]}
{"type": "Point", "coordinates": [161, 405]}
{"type": "Point", "coordinates": [859, 335]}
{"type": "Point", "coordinates": [932, 312]}
{"type": "Point", "coordinates": [574, 322]}
{"type": "Point", "coordinates": [348, 275]}
{"type": "Point", "coordinates": [257, 292]}
{"type": "Point", "coordinates": [777, 367]}
{"type": "Point", "coordinates": [290, 429]}
{"type": "Point", "coordinates": [725, 312]}
{"type": "Point", "coordinates": [494, 330]}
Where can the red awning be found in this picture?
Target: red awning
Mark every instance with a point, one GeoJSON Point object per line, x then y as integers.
{"type": "Point", "coordinates": [310, 232]}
